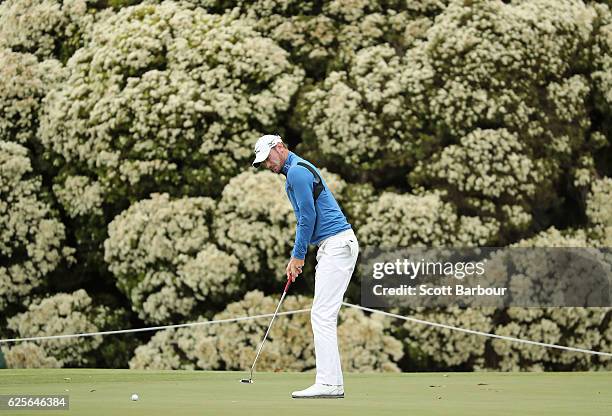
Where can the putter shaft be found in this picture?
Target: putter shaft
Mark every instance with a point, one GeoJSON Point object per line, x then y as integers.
{"type": "Point", "coordinates": [269, 326]}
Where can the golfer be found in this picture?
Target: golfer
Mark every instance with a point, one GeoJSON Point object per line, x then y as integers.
{"type": "Point", "coordinates": [319, 221]}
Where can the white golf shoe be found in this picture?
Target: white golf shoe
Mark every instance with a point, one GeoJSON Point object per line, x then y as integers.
{"type": "Point", "coordinates": [320, 391]}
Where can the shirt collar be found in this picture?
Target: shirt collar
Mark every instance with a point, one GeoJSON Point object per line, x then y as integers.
{"type": "Point", "coordinates": [290, 157]}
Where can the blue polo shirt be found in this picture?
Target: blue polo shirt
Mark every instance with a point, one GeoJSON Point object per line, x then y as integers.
{"type": "Point", "coordinates": [315, 220]}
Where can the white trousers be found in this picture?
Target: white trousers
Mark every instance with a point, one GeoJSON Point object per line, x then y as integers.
{"type": "Point", "coordinates": [336, 258]}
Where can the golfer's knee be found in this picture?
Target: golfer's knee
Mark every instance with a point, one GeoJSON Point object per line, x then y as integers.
{"type": "Point", "coordinates": [321, 318]}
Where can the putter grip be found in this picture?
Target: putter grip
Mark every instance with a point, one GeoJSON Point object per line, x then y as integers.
{"type": "Point", "coordinates": [287, 285]}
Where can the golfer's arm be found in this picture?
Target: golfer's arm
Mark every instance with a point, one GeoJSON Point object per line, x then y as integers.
{"type": "Point", "coordinates": [302, 183]}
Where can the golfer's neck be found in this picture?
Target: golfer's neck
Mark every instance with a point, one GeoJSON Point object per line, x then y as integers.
{"type": "Point", "coordinates": [287, 163]}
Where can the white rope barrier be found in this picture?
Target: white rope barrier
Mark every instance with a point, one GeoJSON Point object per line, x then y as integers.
{"type": "Point", "coordinates": [485, 334]}
{"type": "Point", "coordinates": [153, 328]}
{"type": "Point", "coordinates": [268, 315]}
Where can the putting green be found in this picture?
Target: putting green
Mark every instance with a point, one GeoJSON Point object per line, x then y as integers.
{"type": "Point", "coordinates": [178, 393]}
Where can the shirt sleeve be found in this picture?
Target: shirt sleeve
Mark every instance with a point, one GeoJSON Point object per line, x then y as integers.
{"type": "Point", "coordinates": [301, 180]}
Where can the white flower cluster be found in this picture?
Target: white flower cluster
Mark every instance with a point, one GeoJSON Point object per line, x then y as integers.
{"type": "Point", "coordinates": [262, 7]}
{"type": "Point", "coordinates": [43, 27]}
{"type": "Point", "coordinates": [29, 355]}
{"type": "Point", "coordinates": [79, 195]}
{"type": "Point", "coordinates": [370, 114]}
{"type": "Point", "coordinates": [491, 172]}
{"type": "Point", "coordinates": [23, 84]}
{"type": "Point", "coordinates": [599, 209]}
{"type": "Point", "coordinates": [602, 57]}
{"type": "Point", "coordinates": [64, 313]}
{"type": "Point", "coordinates": [406, 220]}
{"type": "Point", "coordinates": [506, 66]}
{"type": "Point", "coordinates": [599, 212]}
{"type": "Point", "coordinates": [490, 57]}
{"type": "Point", "coordinates": [165, 96]}
{"type": "Point", "coordinates": [323, 37]}
{"type": "Point", "coordinates": [363, 343]}
{"type": "Point", "coordinates": [586, 328]}
{"type": "Point", "coordinates": [444, 346]}
{"type": "Point", "coordinates": [584, 171]}
{"type": "Point", "coordinates": [356, 201]}
{"type": "Point", "coordinates": [31, 237]}
{"type": "Point", "coordinates": [255, 221]}
{"type": "Point", "coordinates": [570, 98]}
{"type": "Point", "coordinates": [162, 254]}
{"type": "Point", "coordinates": [579, 327]}
{"type": "Point", "coordinates": [552, 237]}
{"type": "Point", "coordinates": [562, 278]}
{"type": "Point", "coordinates": [482, 65]}
{"type": "Point", "coordinates": [488, 163]}
{"type": "Point", "coordinates": [336, 185]}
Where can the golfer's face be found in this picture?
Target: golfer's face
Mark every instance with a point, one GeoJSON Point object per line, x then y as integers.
{"type": "Point", "coordinates": [273, 162]}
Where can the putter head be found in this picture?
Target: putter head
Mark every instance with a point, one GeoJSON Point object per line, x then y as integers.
{"type": "Point", "coordinates": [246, 380]}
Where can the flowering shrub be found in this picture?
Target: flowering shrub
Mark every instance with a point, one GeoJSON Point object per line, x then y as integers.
{"type": "Point", "coordinates": [79, 196]}
{"type": "Point", "coordinates": [165, 98]}
{"type": "Point", "coordinates": [63, 313]}
{"type": "Point", "coordinates": [255, 220]}
{"type": "Point", "coordinates": [587, 328]}
{"type": "Point", "coordinates": [29, 355]}
{"type": "Point", "coordinates": [23, 84]}
{"type": "Point", "coordinates": [406, 220]}
{"type": "Point", "coordinates": [370, 115]}
{"type": "Point", "coordinates": [391, 111]}
{"type": "Point", "coordinates": [325, 36]}
{"type": "Point", "coordinates": [599, 211]}
{"type": "Point", "coordinates": [446, 348]}
{"type": "Point", "coordinates": [164, 259]}
{"type": "Point", "coordinates": [450, 123]}
{"type": "Point", "coordinates": [31, 236]}
{"type": "Point", "coordinates": [363, 344]}
{"type": "Point", "coordinates": [489, 172]}
{"type": "Point", "coordinates": [602, 56]}
{"type": "Point", "coordinates": [46, 28]}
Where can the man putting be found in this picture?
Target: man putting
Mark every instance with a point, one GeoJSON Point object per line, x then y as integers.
{"type": "Point", "coordinates": [319, 221]}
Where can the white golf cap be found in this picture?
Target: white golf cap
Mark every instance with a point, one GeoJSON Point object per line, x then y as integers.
{"type": "Point", "coordinates": [263, 146]}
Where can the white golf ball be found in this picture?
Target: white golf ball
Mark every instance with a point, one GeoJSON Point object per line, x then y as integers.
{"type": "Point", "coordinates": [134, 397]}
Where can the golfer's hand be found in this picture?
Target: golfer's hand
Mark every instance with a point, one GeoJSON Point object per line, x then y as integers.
{"type": "Point", "coordinates": [294, 268]}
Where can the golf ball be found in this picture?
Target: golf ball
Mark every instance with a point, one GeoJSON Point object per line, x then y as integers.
{"type": "Point", "coordinates": [134, 397]}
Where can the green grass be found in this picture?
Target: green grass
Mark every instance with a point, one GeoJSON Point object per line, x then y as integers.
{"type": "Point", "coordinates": [178, 393]}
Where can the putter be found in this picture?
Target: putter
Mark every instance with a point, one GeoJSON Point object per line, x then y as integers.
{"type": "Point", "coordinates": [250, 379]}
